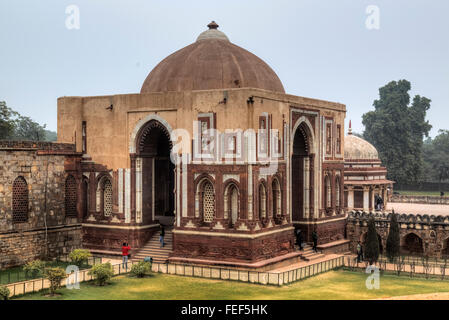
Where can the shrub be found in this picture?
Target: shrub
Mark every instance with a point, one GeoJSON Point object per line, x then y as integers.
{"type": "Point", "coordinates": [372, 242]}
{"type": "Point", "coordinates": [141, 269]}
{"type": "Point", "coordinates": [393, 239]}
{"type": "Point", "coordinates": [79, 256]}
{"type": "Point", "coordinates": [34, 269]}
{"type": "Point", "coordinates": [4, 293]}
{"type": "Point", "coordinates": [101, 273]}
{"type": "Point", "coordinates": [55, 276]}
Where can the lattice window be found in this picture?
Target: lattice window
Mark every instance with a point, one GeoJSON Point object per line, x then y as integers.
{"type": "Point", "coordinates": [329, 139]}
{"type": "Point", "coordinates": [70, 197]}
{"type": "Point", "coordinates": [19, 200]}
{"type": "Point", "coordinates": [338, 146]}
{"type": "Point", "coordinates": [107, 198]}
{"type": "Point", "coordinates": [208, 202]}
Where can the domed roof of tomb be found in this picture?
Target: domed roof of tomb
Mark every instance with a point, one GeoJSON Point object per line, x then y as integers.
{"type": "Point", "coordinates": [359, 149]}
{"type": "Point", "coordinates": [212, 62]}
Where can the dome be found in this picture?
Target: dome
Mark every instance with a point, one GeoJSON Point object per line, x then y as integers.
{"type": "Point", "coordinates": [358, 149]}
{"type": "Point", "coordinates": [212, 62]}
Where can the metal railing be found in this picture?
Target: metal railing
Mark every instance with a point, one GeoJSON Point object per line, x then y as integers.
{"type": "Point", "coordinates": [36, 285]}
{"type": "Point", "coordinates": [408, 266]}
{"type": "Point", "coordinates": [17, 274]}
{"type": "Point", "coordinates": [258, 277]}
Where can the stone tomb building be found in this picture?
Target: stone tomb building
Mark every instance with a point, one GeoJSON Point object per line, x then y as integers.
{"type": "Point", "coordinates": [212, 140]}
{"type": "Point", "coordinates": [365, 177]}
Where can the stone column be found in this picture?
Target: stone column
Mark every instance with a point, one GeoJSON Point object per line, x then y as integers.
{"type": "Point", "coordinates": [139, 190]}
{"type": "Point", "coordinates": [366, 199]}
{"type": "Point", "coordinates": [372, 192]}
{"type": "Point", "coordinates": [306, 192]}
{"type": "Point", "coordinates": [350, 198]}
{"type": "Point", "coordinates": [312, 187]}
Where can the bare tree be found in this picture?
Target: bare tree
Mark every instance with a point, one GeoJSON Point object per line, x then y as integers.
{"type": "Point", "coordinates": [443, 268]}
{"type": "Point", "coordinates": [412, 269]}
{"type": "Point", "coordinates": [427, 266]}
{"type": "Point", "coordinates": [399, 264]}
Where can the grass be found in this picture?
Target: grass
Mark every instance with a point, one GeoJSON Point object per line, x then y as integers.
{"type": "Point", "coordinates": [339, 284]}
{"type": "Point", "coordinates": [421, 193]}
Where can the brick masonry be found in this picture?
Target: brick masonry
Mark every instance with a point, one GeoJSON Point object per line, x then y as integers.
{"type": "Point", "coordinates": [47, 230]}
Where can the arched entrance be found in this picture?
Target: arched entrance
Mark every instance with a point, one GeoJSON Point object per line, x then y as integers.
{"type": "Point", "coordinates": [412, 245]}
{"type": "Point", "coordinates": [155, 172]}
{"type": "Point", "coordinates": [301, 174]}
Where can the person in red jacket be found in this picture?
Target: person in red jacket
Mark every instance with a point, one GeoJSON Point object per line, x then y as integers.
{"type": "Point", "coordinates": [125, 253]}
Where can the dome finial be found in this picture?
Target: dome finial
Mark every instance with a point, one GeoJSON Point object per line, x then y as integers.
{"type": "Point", "coordinates": [213, 25]}
{"type": "Point", "coordinates": [350, 128]}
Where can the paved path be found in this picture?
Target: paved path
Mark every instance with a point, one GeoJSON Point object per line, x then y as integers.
{"type": "Point", "coordinates": [424, 296]}
{"type": "Point", "coordinates": [305, 263]}
{"type": "Point", "coordinates": [416, 208]}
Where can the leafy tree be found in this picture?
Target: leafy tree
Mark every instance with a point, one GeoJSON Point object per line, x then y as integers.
{"type": "Point", "coordinates": [55, 276]}
{"type": "Point", "coordinates": [4, 293]}
{"type": "Point", "coordinates": [372, 242]}
{"type": "Point", "coordinates": [436, 157]}
{"type": "Point", "coordinates": [79, 257]}
{"type": "Point", "coordinates": [27, 129]}
{"type": "Point", "coordinates": [141, 269]}
{"type": "Point", "coordinates": [397, 130]}
{"type": "Point", "coordinates": [34, 269]}
{"type": "Point", "coordinates": [50, 135]}
{"type": "Point", "coordinates": [101, 273]}
{"type": "Point", "coordinates": [7, 122]}
{"type": "Point", "coordinates": [393, 244]}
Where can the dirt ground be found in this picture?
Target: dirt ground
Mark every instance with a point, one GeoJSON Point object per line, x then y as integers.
{"type": "Point", "coordinates": [414, 208]}
{"type": "Point", "coordinates": [426, 296]}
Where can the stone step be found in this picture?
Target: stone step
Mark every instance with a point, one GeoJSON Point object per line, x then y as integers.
{"type": "Point", "coordinates": [313, 256]}
{"type": "Point", "coordinates": [153, 248]}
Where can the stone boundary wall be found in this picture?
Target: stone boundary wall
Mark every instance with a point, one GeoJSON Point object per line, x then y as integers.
{"type": "Point", "coordinates": [36, 145]}
{"type": "Point", "coordinates": [431, 230]}
{"type": "Point", "coordinates": [420, 199]}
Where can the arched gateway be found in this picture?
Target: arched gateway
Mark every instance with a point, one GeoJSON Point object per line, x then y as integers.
{"type": "Point", "coordinates": [154, 173]}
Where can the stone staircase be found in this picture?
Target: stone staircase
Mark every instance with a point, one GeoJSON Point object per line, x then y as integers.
{"type": "Point", "coordinates": [153, 248]}
{"type": "Point", "coordinates": [308, 254]}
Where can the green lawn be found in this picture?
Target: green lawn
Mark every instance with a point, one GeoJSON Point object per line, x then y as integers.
{"type": "Point", "coordinates": [420, 193]}
{"type": "Point", "coordinates": [331, 285]}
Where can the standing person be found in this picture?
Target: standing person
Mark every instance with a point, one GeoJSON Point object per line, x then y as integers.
{"type": "Point", "coordinates": [359, 251]}
{"type": "Point", "coordinates": [315, 240]}
{"type": "Point", "coordinates": [125, 253]}
{"type": "Point", "coordinates": [161, 237]}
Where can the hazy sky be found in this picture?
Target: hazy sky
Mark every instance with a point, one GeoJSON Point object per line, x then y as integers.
{"type": "Point", "coordinates": [319, 49]}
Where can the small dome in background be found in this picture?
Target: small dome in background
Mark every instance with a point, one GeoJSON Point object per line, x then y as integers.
{"type": "Point", "coordinates": [358, 149]}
